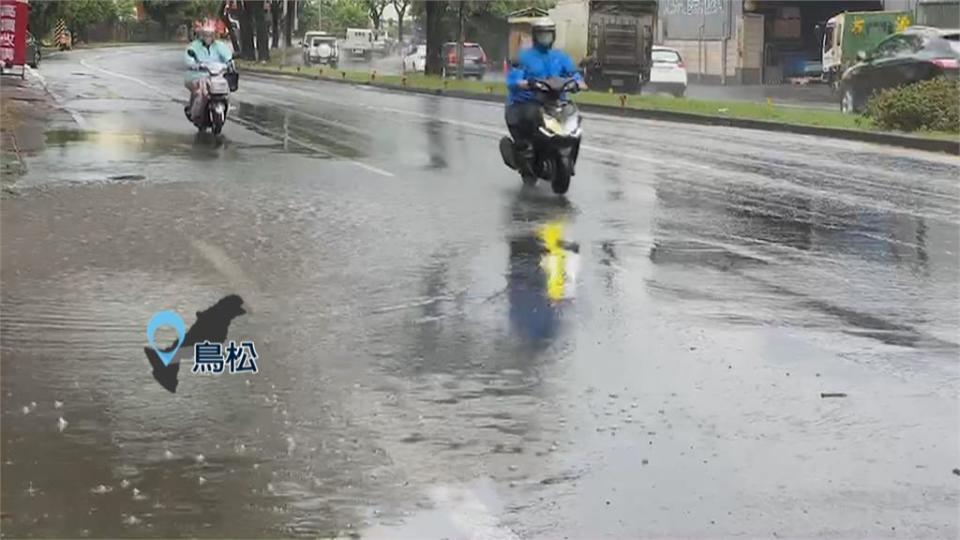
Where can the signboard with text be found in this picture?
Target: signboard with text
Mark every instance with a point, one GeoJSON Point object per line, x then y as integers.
{"type": "Point", "coordinates": [13, 32]}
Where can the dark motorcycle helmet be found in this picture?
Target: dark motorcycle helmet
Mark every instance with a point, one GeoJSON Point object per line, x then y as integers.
{"type": "Point", "coordinates": [544, 34]}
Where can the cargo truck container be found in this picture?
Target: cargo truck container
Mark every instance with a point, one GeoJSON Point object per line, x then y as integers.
{"type": "Point", "coordinates": [847, 34]}
{"type": "Point", "coordinates": [610, 40]}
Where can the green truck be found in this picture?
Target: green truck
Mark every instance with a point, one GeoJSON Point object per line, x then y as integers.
{"type": "Point", "coordinates": [846, 34]}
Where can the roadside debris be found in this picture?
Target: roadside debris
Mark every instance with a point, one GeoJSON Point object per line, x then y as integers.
{"type": "Point", "coordinates": [832, 394]}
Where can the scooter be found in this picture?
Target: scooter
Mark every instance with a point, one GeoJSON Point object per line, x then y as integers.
{"type": "Point", "coordinates": [223, 80]}
{"type": "Point", "coordinates": [556, 142]}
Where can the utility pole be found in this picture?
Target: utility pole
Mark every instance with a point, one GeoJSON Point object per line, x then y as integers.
{"type": "Point", "coordinates": [460, 43]}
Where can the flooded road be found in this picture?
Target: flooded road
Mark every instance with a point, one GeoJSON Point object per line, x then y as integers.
{"type": "Point", "coordinates": [443, 354]}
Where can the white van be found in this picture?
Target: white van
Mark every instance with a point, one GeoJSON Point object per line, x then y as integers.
{"type": "Point", "coordinates": [359, 43]}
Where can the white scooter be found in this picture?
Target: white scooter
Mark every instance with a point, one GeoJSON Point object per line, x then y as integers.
{"type": "Point", "coordinates": [223, 80]}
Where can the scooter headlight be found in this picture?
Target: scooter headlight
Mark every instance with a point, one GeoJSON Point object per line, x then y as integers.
{"type": "Point", "coordinates": [552, 124]}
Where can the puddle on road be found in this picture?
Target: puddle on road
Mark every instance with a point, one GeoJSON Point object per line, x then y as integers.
{"type": "Point", "coordinates": [152, 144]}
{"type": "Point", "coordinates": [70, 155]}
{"type": "Point", "coordinates": [464, 511]}
{"type": "Point", "coordinates": [105, 145]}
{"type": "Point", "coordinates": [299, 134]}
{"type": "Point", "coordinates": [92, 103]}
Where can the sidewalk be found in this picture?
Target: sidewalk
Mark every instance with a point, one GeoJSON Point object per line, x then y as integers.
{"type": "Point", "coordinates": [25, 109]}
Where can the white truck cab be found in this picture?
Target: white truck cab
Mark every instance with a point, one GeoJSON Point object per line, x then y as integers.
{"type": "Point", "coordinates": [359, 42]}
{"type": "Point", "coordinates": [831, 46]}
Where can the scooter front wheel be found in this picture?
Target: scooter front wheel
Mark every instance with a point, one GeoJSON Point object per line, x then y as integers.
{"type": "Point", "coordinates": [506, 152]}
{"type": "Point", "coordinates": [217, 118]}
{"type": "Point", "coordinates": [562, 171]}
{"type": "Point", "coordinates": [217, 124]}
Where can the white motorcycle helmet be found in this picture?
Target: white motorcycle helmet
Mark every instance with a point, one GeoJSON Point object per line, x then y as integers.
{"type": "Point", "coordinates": [544, 33]}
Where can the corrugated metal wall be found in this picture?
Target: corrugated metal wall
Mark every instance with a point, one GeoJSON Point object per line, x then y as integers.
{"type": "Point", "coordinates": [571, 17]}
{"type": "Point", "coordinates": [686, 19]}
{"type": "Point", "coordinates": [942, 14]}
{"type": "Point", "coordinates": [939, 13]}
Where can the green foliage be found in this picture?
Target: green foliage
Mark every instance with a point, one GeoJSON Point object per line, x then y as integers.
{"type": "Point", "coordinates": [347, 14]}
{"type": "Point", "coordinates": [126, 9]}
{"type": "Point", "coordinates": [307, 15]}
{"type": "Point", "coordinates": [375, 10]}
{"type": "Point", "coordinates": [79, 14]}
{"type": "Point", "coordinates": [338, 15]}
{"type": "Point", "coordinates": [43, 15]}
{"type": "Point", "coordinates": [201, 9]}
{"type": "Point", "coordinates": [481, 8]}
{"type": "Point", "coordinates": [932, 105]}
{"type": "Point", "coordinates": [165, 12]}
{"type": "Point", "coordinates": [170, 13]}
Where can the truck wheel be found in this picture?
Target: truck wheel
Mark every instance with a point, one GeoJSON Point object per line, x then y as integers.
{"type": "Point", "coordinates": [848, 101]}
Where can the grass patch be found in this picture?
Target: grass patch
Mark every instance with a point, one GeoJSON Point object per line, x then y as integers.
{"type": "Point", "coordinates": [716, 109]}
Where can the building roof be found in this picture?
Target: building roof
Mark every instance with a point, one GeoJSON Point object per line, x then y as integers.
{"type": "Point", "coordinates": [525, 15]}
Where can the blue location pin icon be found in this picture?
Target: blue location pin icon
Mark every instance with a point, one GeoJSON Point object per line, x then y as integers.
{"type": "Point", "coordinates": [165, 318]}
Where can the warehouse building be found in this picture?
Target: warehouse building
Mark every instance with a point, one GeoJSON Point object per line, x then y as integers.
{"type": "Point", "coordinates": [768, 41]}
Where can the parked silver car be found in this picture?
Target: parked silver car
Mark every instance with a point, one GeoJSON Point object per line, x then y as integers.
{"type": "Point", "coordinates": [32, 51]}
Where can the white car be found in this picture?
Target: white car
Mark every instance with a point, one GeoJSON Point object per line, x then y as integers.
{"type": "Point", "coordinates": [668, 73]}
{"type": "Point", "coordinates": [417, 60]}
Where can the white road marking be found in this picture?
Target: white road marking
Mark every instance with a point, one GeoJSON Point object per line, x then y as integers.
{"type": "Point", "coordinates": [298, 142]}
{"type": "Point", "coordinates": [372, 169]}
{"type": "Point", "coordinates": [77, 117]}
{"type": "Point", "coordinates": [323, 151]}
{"type": "Point", "coordinates": [142, 83]}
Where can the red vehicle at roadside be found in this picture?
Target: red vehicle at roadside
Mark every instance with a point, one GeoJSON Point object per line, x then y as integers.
{"type": "Point", "coordinates": [474, 60]}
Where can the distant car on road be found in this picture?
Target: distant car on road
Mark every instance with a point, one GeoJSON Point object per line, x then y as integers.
{"type": "Point", "coordinates": [668, 73]}
{"type": "Point", "coordinates": [474, 60]}
{"type": "Point", "coordinates": [916, 54]}
{"type": "Point", "coordinates": [416, 61]}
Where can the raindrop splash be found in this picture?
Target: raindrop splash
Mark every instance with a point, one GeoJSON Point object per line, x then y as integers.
{"type": "Point", "coordinates": [101, 490]}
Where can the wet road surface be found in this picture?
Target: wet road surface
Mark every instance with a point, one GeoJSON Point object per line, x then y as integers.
{"type": "Point", "coordinates": [425, 369]}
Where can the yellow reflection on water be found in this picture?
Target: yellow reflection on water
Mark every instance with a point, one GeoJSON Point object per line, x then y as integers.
{"type": "Point", "coordinates": [554, 261]}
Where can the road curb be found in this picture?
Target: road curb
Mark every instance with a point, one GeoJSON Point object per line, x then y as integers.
{"type": "Point", "coordinates": [877, 137]}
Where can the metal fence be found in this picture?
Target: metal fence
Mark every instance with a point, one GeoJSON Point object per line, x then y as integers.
{"type": "Point", "coordinates": [132, 31]}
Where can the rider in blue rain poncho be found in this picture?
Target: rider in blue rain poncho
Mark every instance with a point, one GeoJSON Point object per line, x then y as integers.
{"type": "Point", "coordinates": [541, 61]}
